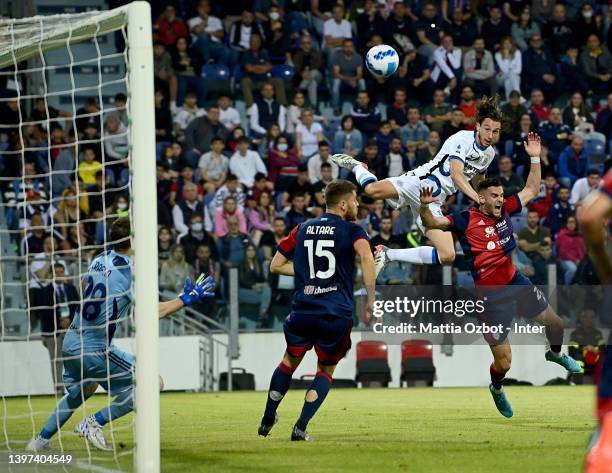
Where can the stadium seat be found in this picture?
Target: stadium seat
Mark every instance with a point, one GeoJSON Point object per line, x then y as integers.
{"type": "Point", "coordinates": [217, 78]}
{"type": "Point", "coordinates": [283, 71]}
{"type": "Point", "coordinates": [372, 364]}
{"type": "Point", "coordinates": [417, 363]}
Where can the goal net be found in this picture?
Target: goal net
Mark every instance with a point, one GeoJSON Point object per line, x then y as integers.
{"type": "Point", "coordinates": [77, 151]}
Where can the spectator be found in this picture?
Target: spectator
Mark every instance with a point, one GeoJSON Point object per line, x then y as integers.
{"type": "Point", "coordinates": [231, 188]}
{"type": "Point", "coordinates": [414, 77]}
{"type": "Point", "coordinates": [586, 24]}
{"type": "Point", "coordinates": [570, 249]}
{"type": "Point", "coordinates": [187, 175]}
{"type": "Point", "coordinates": [245, 163]}
{"type": "Point", "coordinates": [524, 29]}
{"type": "Point", "coordinates": [308, 135]}
{"type": "Point", "coordinates": [174, 271]}
{"type": "Point", "coordinates": [163, 119]}
{"type": "Point", "coordinates": [395, 162]}
{"type": "Point", "coordinates": [270, 241]}
{"type": "Point", "coordinates": [165, 78]}
{"type": "Point", "coordinates": [511, 182]}
{"type": "Point", "coordinates": [243, 30]}
{"type": "Point", "coordinates": [463, 31]}
{"type": "Point", "coordinates": [576, 113]}
{"type": "Point", "coordinates": [187, 66]}
{"type": "Point", "coordinates": [260, 218]}
{"type": "Point", "coordinates": [396, 30]}
{"type": "Point", "coordinates": [336, 30]}
{"type": "Point", "coordinates": [205, 263]}
{"type": "Point", "coordinates": [494, 29]}
{"type": "Point", "coordinates": [207, 36]}
{"type": "Point", "coordinates": [214, 166]}
{"type": "Point", "coordinates": [89, 167]}
{"type": "Point", "coordinates": [228, 115]}
{"type": "Point", "coordinates": [165, 241]}
{"type": "Point", "coordinates": [414, 133]}
{"type": "Point", "coordinates": [585, 186]}
{"type": "Point", "coordinates": [278, 43]}
{"type": "Point", "coordinates": [196, 236]}
{"type": "Point", "coordinates": [539, 70]}
{"type": "Point", "coordinates": [558, 31]}
{"type": "Point", "coordinates": [573, 162]}
{"type": "Point", "coordinates": [68, 211]}
{"type": "Point", "coordinates": [42, 111]}
{"type": "Point", "coordinates": [254, 289]}
{"type": "Point", "coordinates": [347, 72]}
{"type": "Point", "coordinates": [509, 62]}
{"type": "Point", "coordinates": [455, 124]}
{"type": "Point", "coordinates": [571, 76]}
{"type": "Point", "coordinates": [586, 343]}
{"type": "Point", "coordinates": [267, 111]}
{"type": "Point", "coordinates": [603, 122]}
{"type": "Point", "coordinates": [446, 72]}
{"type": "Point", "coordinates": [282, 164]}
{"type": "Point", "coordinates": [539, 109]}
{"type": "Point", "coordinates": [560, 211]}
{"type": "Point", "coordinates": [173, 158]}
{"type": "Point", "coordinates": [319, 186]}
{"type": "Point", "coordinates": [386, 237]}
{"type": "Point", "coordinates": [297, 213]}
{"type": "Point", "coordinates": [542, 10]}
{"type": "Point", "coordinates": [438, 113]}
{"type": "Point", "coordinates": [233, 244]}
{"type": "Point", "coordinates": [169, 28]}
{"type": "Point", "coordinates": [295, 110]}
{"type": "Point", "coordinates": [308, 66]}
{"type": "Point", "coordinates": [371, 22]}
{"type": "Point", "coordinates": [321, 11]}
{"type": "Point", "coordinates": [428, 29]}
{"type": "Point", "coordinates": [370, 157]}
{"type": "Point", "coordinates": [186, 207]}
{"type": "Point", "coordinates": [86, 120]}
{"type": "Point", "coordinates": [555, 134]}
{"type": "Point", "coordinates": [479, 69]}
{"type": "Point", "coordinates": [55, 304]}
{"type": "Point", "coordinates": [229, 209]}
{"type": "Point", "coordinates": [185, 114]}
{"type": "Point", "coordinates": [100, 195]}
{"type": "Point", "coordinates": [257, 67]}
{"type": "Point", "coordinates": [513, 110]}
{"type": "Point", "coordinates": [548, 193]}
{"type": "Point", "coordinates": [468, 105]}
{"type": "Point", "coordinates": [397, 112]}
{"type": "Point", "coordinates": [200, 132]}
{"type": "Point", "coordinates": [596, 63]}
{"type": "Point", "coordinates": [316, 161]}
{"type": "Point", "coordinates": [429, 150]}
{"type": "Point", "coordinates": [366, 117]}
{"type": "Point", "coordinates": [535, 241]}
{"type": "Point", "coordinates": [33, 240]}
{"type": "Point", "coordinates": [347, 139]}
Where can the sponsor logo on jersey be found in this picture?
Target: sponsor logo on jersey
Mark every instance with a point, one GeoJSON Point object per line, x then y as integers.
{"type": "Point", "coordinates": [315, 290]}
{"type": "Point", "coordinates": [491, 245]}
{"type": "Point", "coordinates": [489, 231]}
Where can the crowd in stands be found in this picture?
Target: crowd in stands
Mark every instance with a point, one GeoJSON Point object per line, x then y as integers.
{"type": "Point", "coordinates": [232, 181]}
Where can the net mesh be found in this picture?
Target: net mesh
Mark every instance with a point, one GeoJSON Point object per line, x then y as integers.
{"type": "Point", "coordinates": [64, 177]}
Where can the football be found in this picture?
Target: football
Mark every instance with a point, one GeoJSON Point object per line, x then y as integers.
{"type": "Point", "coordinates": [382, 61]}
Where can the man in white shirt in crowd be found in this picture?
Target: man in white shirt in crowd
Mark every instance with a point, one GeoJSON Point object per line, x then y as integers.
{"type": "Point", "coordinates": [207, 35]}
{"type": "Point", "coordinates": [336, 30]}
{"type": "Point", "coordinates": [314, 164]}
{"type": "Point", "coordinates": [447, 65]}
{"type": "Point", "coordinates": [228, 115]}
{"type": "Point", "coordinates": [584, 186]}
{"type": "Point", "coordinates": [245, 163]}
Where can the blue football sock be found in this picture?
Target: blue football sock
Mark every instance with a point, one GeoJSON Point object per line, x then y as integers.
{"type": "Point", "coordinates": [65, 407]}
{"type": "Point", "coordinates": [320, 385]}
{"type": "Point", "coordinates": [279, 385]}
{"type": "Point", "coordinates": [121, 405]}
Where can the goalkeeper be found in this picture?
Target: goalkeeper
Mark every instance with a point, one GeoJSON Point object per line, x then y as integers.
{"type": "Point", "coordinates": [90, 357]}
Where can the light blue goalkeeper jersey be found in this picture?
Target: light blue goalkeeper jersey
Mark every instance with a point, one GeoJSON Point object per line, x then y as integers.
{"type": "Point", "coordinates": [107, 298]}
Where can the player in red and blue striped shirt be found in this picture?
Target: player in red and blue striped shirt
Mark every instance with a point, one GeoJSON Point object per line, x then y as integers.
{"type": "Point", "coordinates": [486, 236]}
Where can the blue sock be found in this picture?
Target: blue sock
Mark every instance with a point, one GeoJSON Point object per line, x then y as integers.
{"type": "Point", "coordinates": [121, 405]}
{"type": "Point", "coordinates": [279, 385]}
{"type": "Point", "coordinates": [320, 385]}
{"type": "Point", "coordinates": [65, 407]}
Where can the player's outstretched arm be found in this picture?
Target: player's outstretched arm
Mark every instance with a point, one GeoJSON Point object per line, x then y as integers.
{"type": "Point", "coordinates": [533, 147]}
{"type": "Point", "coordinates": [461, 182]}
{"type": "Point", "coordinates": [281, 265]}
{"type": "Point", "coordinates": [368, 268]}
{"type": "Point", "coordinates": [592, 223]}
{"type": "Point", "coordinates": [203, 288]}
{"type": "Point", "coordinates": [429, 220]}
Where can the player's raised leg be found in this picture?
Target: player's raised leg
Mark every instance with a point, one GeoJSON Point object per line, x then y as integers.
{"type": "Point", "coordinates": [279, 385]}
{"type": "Point", "coordinates": [372, 187]}
{"type": "Point", "coordinates": [502, 360]}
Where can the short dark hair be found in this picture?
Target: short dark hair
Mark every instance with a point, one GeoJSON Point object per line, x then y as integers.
{"type": "Point", "coordinates": [121, 97]}
{"type": "Point", "coordinates": [215, 139]}
{"type": "Point", "coordinates": [231, 177]}
{"type": "Point", "coordinates": [326, 166]}
{"type": "Point", "coordinates": [336, 190]}
{"type": "Point", "coordinates": [120, 232]}
{"type": "Point", "coordinates": [242, 139]}
{"type": "Point", "coordinates": [323, 144]}
{"type": "Point", "coordinates": [259, 176]}
{"type": "Point", "coordinates": [489, 108]}
{"type": "Point", "coordinates": [302, 167]}
{"type": "Point", "coordinates": [488, 182]}
{"type": "Point", "coordinates": [594, 171]}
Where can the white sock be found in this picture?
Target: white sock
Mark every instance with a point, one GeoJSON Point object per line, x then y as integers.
{"type": "Point", "coordinates": [363, 176]}
{"type": "Point", "coordinates": [419, 255]}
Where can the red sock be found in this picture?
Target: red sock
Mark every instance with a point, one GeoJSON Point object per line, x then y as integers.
{"type": "Point", "coordinates": [496, 377]}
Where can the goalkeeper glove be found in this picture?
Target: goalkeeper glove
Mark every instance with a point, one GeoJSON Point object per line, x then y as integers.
{"type": "Point", "coordinates": [194, 292]}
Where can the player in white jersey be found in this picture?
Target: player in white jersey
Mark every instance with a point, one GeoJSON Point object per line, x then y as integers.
{"type": "Point", "coordinates": [460, 164]}
{"type": "Point", "coordinates": [91, 359]}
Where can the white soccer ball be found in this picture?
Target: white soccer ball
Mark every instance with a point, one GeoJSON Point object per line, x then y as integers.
{"type": "Point", "coordinates": [382, 61]}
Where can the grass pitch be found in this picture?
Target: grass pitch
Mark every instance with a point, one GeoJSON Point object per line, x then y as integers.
{"type": "Point", "coordinates": [367, 430]}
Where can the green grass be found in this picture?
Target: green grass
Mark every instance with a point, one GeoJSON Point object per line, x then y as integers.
{"type": "Point", "coordinates": [366, 430]}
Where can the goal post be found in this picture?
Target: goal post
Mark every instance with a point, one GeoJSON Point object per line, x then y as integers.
{"type": "Point", "coordinates": [29, 38]}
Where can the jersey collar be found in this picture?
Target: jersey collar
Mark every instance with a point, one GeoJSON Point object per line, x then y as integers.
{"type": "Point", "coordinates": [476, 144]}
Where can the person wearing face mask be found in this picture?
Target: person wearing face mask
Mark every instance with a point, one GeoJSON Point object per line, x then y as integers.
{"type": "Point", "coordinates": [195, 237]}
{"type": "Point", "coordinates": [282, 164]}
{"type": "Point", "coordinates": [586, 24]}
{"type": "Point", "coordinates": [278, 43]}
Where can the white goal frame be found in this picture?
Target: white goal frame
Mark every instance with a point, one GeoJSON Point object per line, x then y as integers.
{"type": "Point", "coordinates": [137, 15]}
